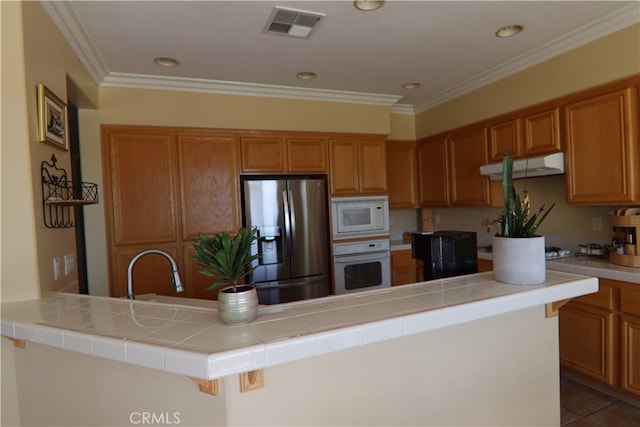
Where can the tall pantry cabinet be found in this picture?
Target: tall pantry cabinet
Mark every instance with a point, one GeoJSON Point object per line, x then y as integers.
{"type": "Point", "coordinates": [163, 186]}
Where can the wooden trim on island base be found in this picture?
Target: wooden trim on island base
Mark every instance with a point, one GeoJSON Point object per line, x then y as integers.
{"type": "Point", "coordinates": [249, 381]}
{"type": "Point", "coordinates": [551, 309]}
{"type": "Point", "coordinates": [18, 343]}
{"type": "Point", "coordinates": [211, 387]}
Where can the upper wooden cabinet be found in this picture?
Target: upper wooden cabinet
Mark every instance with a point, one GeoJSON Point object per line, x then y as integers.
{"type": "Point", "coordinates": [279, 153]}
{"type": "Point", "coordinates": [209, 184]}
{"type": "Point", "coordinates": [402, 174]}
{"type": "Point", "coordinates": [541, 131]}
{"type": "Point", "coordinates": [141, 191]}
{"type": "Point", "coordinates": [263, 153]}
{"type": "Point", "coordinates": [529, 132]}
{"type": "Point", "coordinates": [357, 165]}
{"type": "Point", "coordinates": [433, 172]}
{"type": "Point", "coordinates": [449, 170]}
{"type": "Point", "coordinates": [307, 154]}
{"type": "Point", "coordinates": [467, 152]}
{"type": "Point", "coordinates": [505, 137]}
{"type": "Point", "coordinates": [602, 148]}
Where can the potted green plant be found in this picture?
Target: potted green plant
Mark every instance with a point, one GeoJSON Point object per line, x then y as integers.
{"type": "Point", "coordinates": [229, 259]}
{"type": "Point", "coordinates": [518, 252]}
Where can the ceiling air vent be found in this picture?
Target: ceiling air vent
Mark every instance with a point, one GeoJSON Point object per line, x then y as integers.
{"type": "Point", "coordinates": [293, 22]}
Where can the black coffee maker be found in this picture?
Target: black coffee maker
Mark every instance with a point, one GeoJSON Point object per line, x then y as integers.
{"type": "Point", "coordinates": [446, 253]}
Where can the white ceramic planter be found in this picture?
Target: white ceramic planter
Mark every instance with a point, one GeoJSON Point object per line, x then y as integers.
{"type": "Point", "coordinates": [519, 261]}
{"type": "Point", "coordinates": [238, 308]}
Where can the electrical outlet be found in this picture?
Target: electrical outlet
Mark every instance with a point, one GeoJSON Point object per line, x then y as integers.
{"type": "Point", "coordinates": [56, 268]}
{"type": "Point", "coordinates": [436, 218]}
{"type": "Point", "coordinates": [596, 223]}
{"type": "Point", "coordinates": [69, 264]}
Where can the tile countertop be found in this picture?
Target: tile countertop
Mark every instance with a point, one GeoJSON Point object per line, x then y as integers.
{"type": "Point", "coordinates": [589, 266]}
{"type": "Point", "coordinates": [189, 339]}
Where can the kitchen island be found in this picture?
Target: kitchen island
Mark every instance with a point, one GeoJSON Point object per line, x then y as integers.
{"type": "Point", "coordinates": [457, 351]}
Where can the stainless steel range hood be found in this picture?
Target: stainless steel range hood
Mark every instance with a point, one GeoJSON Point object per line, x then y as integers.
{"type": "Point", "coordinates": [552, 164]}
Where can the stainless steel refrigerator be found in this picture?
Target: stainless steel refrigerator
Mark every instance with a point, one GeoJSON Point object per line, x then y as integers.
{"type": "Point", "coordinates": [293, 237]}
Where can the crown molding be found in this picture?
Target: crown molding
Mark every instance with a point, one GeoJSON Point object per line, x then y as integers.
{"type": "Point", "coordinates": [220, 87]}
{"type": "Point", "coordinates": [405, 109]}
{"type": "Point", "coordinates": [602, 27]}
{"type": "Point", "coordinates": [64, 18]}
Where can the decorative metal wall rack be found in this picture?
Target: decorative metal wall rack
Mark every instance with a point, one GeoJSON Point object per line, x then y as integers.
{"type": "Point", "coordinates": [59, 195]}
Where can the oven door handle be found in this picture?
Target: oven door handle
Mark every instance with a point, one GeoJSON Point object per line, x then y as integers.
{"type": "Point", "coordinates": [350, 259]}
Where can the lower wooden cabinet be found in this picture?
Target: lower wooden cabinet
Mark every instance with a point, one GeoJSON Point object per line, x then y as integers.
{"type": "Point", "coordinates": [403, 268]}
{"type": "Point", "coordinates": [484, 265]}
{"type": "Point", "coordinates": [630, 353]}
{"type": "Point", "coordinates": [630, 336]}
{"type": "Point", "coordinates": [586, 343]}
{"type": "Point", "coordinates": [600, 335]}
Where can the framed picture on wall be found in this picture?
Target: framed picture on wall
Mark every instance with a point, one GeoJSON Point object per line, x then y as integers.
{"type": "Point", "coordinates": [52, 118]}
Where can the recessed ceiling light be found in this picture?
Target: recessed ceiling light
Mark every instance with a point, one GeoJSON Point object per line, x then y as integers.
{"type": "Point", "coordinates": [306, 75]}
{"type": "Point", "coordinates": [509, 31]}
{"type": "Point", "coordinates": [412, 85]}
{"type": "Point", "coordinates": [368, 5]}
{"type": "Point", "coordinates": [166, 62]}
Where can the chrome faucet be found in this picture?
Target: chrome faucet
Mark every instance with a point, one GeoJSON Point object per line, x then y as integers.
{"type": "Point", "coordinates": [177, 282]}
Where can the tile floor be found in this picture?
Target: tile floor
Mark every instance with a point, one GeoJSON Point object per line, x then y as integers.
{"type": "Point", "coordinates": [582, 406]}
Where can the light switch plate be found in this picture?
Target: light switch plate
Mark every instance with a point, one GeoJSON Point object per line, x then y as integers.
{"type": "Point", "coordinates": [69, 264]}
{"type": "Point", "coordinates": [56, 268]}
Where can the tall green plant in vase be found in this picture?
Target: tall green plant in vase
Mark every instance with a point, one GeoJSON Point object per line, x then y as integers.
{"type": "Point", "coordinates": [516, 221]}
{"type": "Point", "coordinates": [229, 259]}
{"type": "Point", "coordinates": [518, 252]}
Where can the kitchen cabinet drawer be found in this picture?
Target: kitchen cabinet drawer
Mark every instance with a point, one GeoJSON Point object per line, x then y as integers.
{"type": "Point", "coordinates": [630, 302]}
{"type": "Point", "coordinates": [604, 298]}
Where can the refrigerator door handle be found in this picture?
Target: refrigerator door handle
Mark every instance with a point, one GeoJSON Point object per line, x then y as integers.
{"type": "Point", "coordinates": [285, 206]}
{"type": "Point", "coordinates": [292, 221]}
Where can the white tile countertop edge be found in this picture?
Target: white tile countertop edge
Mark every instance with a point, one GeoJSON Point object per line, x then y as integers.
{"type": "Point", "coordinates": [299, 332]}
{"type": "Point", "coordinates": [589, 266]}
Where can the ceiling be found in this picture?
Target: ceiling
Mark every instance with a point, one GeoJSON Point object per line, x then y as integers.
{"type": "Point", "coordinates": [449, 47]}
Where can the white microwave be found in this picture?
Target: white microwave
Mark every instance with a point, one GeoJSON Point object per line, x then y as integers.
{"type": "Point", "coordinates": [359, 216]}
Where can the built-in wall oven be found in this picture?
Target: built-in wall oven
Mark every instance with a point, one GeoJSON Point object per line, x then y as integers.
{"type": "Point", "coordinates": [361, 266]}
